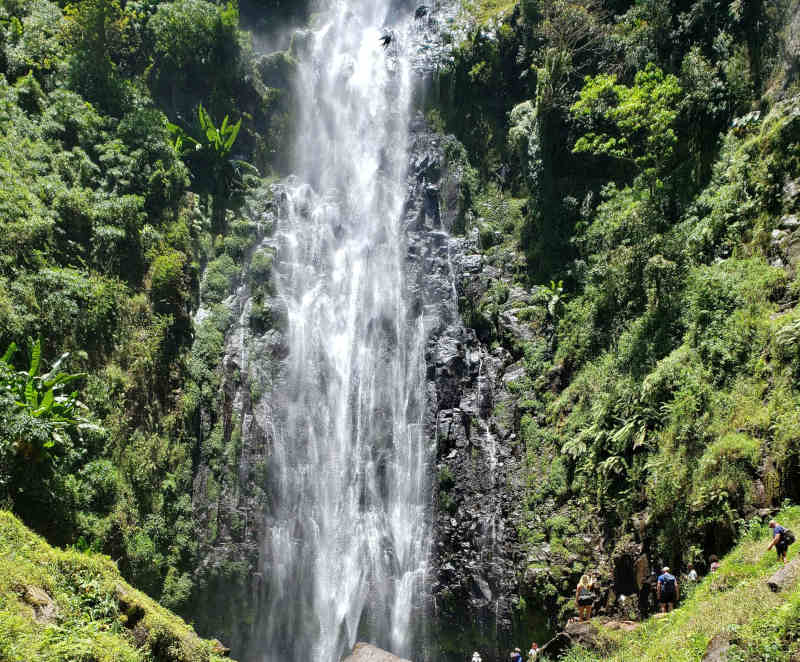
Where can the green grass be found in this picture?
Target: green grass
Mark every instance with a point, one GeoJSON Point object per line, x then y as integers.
{"type": "Point", "coordinates": [100, 618]}
{"type": "Point", "coordinates": [734, 600]}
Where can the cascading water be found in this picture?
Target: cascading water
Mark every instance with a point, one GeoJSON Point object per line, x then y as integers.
{"type": "Point", "coordinates": [346, 541]}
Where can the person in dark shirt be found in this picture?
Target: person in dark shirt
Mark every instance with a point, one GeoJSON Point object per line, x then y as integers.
{"type": "Point", "coordinates": [778, 541]}
{"type": "Point", "coordinates": [667, 590]}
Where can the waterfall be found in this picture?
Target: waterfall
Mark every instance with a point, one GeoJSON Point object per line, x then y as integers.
{"type": "Point", "coordinates": [345, 548]}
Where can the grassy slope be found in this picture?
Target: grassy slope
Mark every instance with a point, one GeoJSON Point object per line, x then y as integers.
{"type": "Point", "coordinates": [100, 617]}
{"type": "Point", "coordinates": [735, 600]}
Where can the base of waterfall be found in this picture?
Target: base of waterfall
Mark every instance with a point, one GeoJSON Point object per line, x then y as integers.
{"type": "Point", "coordinates": [368, 653]}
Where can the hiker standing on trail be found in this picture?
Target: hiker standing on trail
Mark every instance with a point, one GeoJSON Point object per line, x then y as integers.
{"type": "Point", "coordinates": [516, 655]}
{"type": "Point", "coordinates": [476, 657]}
{"type": "Point", "coordinates": [781, 539]}
{"type": "Point", "coordinates": [667, 590]}
{"type": "Point", "coordinates": [533, 653]}
{"type": "Point", "coordinates": [714, 562]}
{"type": "Point", "coordinates": [584, 598]}
{"type": "Point", "coordinates": [692, 576]}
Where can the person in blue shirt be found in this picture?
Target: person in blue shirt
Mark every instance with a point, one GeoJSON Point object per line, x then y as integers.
{"type": "Point", "coordinates": [778, 541]}
{"type": "Point", "coordinates": [667, 590]}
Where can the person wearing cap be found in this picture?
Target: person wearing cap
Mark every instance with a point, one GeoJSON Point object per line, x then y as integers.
{"type": "Point", "coordinates": [667, 590]}
{"type": "Point", "coordinates": [778, 540]}
{"type": "Point", "coordinates": [476, 657]}
{"type": "Point", "coordinates": [516, 655]}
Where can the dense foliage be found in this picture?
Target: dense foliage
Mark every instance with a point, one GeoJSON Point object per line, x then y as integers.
{"type": "Point", "coordinates": [733, 604]}
{"type": "Point", "coordinates": [633, 167]}
{"type": "Point", "coordinates": [636, 171]}
{"type": "Point", "coordinates": [116, 179]}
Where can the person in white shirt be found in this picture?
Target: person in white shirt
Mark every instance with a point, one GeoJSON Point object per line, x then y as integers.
{"type": "Point", "coordinates": [692, 573]}
{"type": "Point", "coordinates": [533, 653]}
{"type": "Point", "coordinates": [476, 657]}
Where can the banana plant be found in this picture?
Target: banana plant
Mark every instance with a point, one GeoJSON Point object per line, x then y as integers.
{"type": "Point", "coordinates": [219, 139]}
{"type": "Point", "coordinates": [208, 154]}
{"type": "Point", "coordinates": [44, 397]}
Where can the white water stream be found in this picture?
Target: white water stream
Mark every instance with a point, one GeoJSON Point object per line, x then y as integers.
{"type": "Point", "coordinates": [346, 547]}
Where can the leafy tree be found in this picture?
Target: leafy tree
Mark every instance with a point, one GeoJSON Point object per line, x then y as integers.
{"type": "Point", "coordinates": [574, 34]}
{"type": "Point", "coordinates": [32, 39]}
{"type": "Point", "coordinates": [633, 124]}
{"type": "Point", "coordinates": [197, 53]}
{"type": "Point", "coordinates": [103, 41]}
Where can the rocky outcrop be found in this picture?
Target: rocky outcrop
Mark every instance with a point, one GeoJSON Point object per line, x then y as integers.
{"type": "Point", "coordinates": [470, 417]}
{"type": "Point", "coordinates": [45, 610]}
{"type": "Point", "coordinates": [582, 634]}
{"type": "Point", "coordinates": [785, 577]}
{"type": "Point", "coordinates": [717, 650]}
{"type": "Point", "coordinates": [230, 493]}
{"type": "Point", "coordinates": [367, 653]}
{"type": "Point", "coordinates": [574, 634]}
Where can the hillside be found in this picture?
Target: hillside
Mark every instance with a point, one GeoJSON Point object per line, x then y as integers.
{"type": "Point", "coordinates": [732, 605]}
{"type": "Point", "coordinates": [631, 281]}
{"type": "Point", "coordinates": [58, 605]}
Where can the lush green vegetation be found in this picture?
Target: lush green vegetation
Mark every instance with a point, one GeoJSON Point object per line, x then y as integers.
{"type": "Point", "coordinates": [633, 166]}
{"type": "Point", "coordinates": [633, 173]}
{"type": "Point", "coordinates": [128, 131]}
{"type": "Point", "coordinates": [60, 605]}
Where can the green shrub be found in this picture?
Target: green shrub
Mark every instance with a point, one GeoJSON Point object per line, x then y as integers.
{"type": "Point", "coordinates": [100, 486]}
{"type": "Point", "coordinates": [261, 266]}
{"type": "Point", "coordinates": [168, 283]}
{"type": "Point", "coordinates": [218, 279]}
{"type": "Point", "coordinates": [732, 449]}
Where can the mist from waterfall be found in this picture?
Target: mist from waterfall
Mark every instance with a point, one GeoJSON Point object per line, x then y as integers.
{"type": "Point", "coordinates": [346, 542]}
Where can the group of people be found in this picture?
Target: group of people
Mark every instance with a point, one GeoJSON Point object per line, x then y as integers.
{"type": "Point", "coordinates": [666, 587]}
{"type": "Point", "coordinates": [533, 653]}
{"type": "Point", "coordinates": [515, 655]}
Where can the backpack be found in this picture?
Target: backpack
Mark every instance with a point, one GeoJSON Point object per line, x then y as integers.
{"type": "Point", "coordinates": [788, 537]}
{"type": "Point", "coordinates": [668, 585]}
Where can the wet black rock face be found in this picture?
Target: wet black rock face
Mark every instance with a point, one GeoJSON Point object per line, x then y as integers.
{"type": "Point", "coordinates": [469, 418]}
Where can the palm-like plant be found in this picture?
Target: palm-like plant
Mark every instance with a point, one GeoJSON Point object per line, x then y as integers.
{"type": "Point", "coordinates": [209, 155]}
{"type": "Point", "coordinates": [44, 397]}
